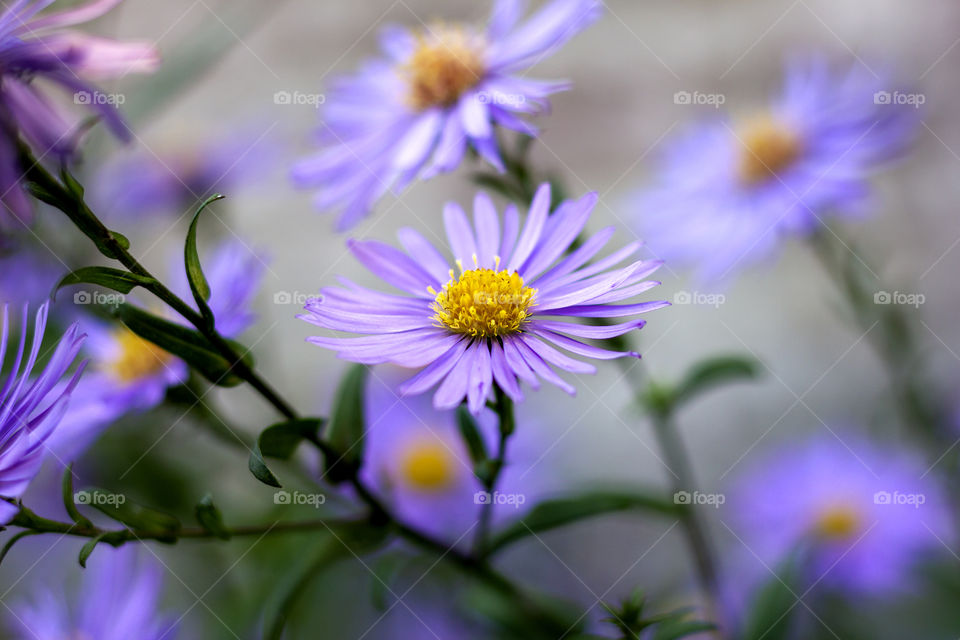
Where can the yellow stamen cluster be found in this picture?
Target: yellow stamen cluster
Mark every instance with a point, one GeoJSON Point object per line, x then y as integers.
{"type": "Point", "coordinates": [839, 522]}
{"type": "Point", "coordinates": [446, 62]}
{"type": "Point", "coordinates": [768, 147]}
{"type": "Point", "coordinates": [484, 303]}
{"type": "Point", "coordinates": [428, 466]}
{"type": "Point", "coordinates": [136, 357]}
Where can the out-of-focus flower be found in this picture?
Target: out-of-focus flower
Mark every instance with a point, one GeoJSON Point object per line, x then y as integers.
{"type": "Point", "coordinates": [31, 408]}
{"type": "Point", "coordinates": [730, 191]}
{"type": "Point", "coordinates": [142, 182]}
{"type": "Point", "coordinates": [437, 93]}
{"type": "Point", "coordinates": [118, 599]}
{"type": "Point", "coordinates": [416, 461]}
{"type": "Point", "coordinates": [865, 515]}
{"type": "Point", "coordinates": [493, 321]}
{"type": "Point", "coordinates": [34, 45]}
{"type": "Point", "coordinates": [129, 373]}
{"type": "Point", "coordinates": [28, 275]}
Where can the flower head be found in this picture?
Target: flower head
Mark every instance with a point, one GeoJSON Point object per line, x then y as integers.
{"type": "Point", "coordinates": [119, 599]}
{"type": "Point", "coordinates": [31, 402]}
{"type": "Point", "coordinates": [732, 189]}
{"type": "Point", "coordinates": [437, 92]}
{"type": "Point", "coordinates": [34, 45]}
{"type": "Point", "coordinates": [864, 514]}
{"type": "Point", "coordinates": [492, 313]}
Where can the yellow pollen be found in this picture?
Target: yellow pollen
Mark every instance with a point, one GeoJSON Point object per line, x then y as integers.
{"type": "Point", "coordinates": [768, 147]}
{"type": "Point", "coordinates": [839, 522]}
{"type": "Point", "coordinates": [427, 465]}
{"type": "Point", "coordinates": [484, 303]}
{"type": "Point", "coordinates": [137, 358]}
{"type": "Point", "coordinates": [446, 62]}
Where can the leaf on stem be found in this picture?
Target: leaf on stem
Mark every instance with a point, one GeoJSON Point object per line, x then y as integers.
{"type": "Point", "coordinates": [114, 279]}
{"type": "Point", "coordinates": [210, 519]}
{"type": "Point", "coordinates": [711, 373]}
{"type": "Point", "coordinates": [134, 516]}
{"type": "Point", "coordinates": [69, 499]}
{"type": "Point", "coordinates": [280, 441]}
{"type": "Point", "coordinates": [88, 548]}
{"type": "Point", "coordinates": [191, 257]}
{"type": "Point", "coordinates": [347, 426]}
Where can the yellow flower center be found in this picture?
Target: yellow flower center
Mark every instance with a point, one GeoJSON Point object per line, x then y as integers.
{"type": "Point", "coordinates": [446, 62]}
{"type": "Point", "coordinates": [769, 147]}
{"type": "Point", "coordinates": [137, 358]}
{"type": "Point", "coordinates": [428, 466]}
{"type": "Point", "coordinates": [839, 522]}
{"type": "Point", "coordinates": [484, 303]}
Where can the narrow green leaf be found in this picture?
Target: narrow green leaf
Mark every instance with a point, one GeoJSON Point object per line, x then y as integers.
{"type": "Point", "coordinates": [551, 514]}
{"type": "Point", "coordinates": [14, 540]}
{"type": "Point", "coordinates": [198, 282]}
{"type": "Point", "coordinates": [182, 342]}
{"type": "Point", "coordinates": [210, 519]}
{"type": "Point", "coordinates": [135, 516]}
{"type": "Point", "coordinates": [114, 279]}
{"type": "Point", "coordinates": [470, 431]}
{"type": "Point", "coordinates": [713, 372]}
{"type": "Point", "coordinates": [769, 617]}
{"type": "Point", "coordinates": [280, 441]}
{"type": "Point", "coordinates": [68, 499]}
{"type": "Point", "coordinates": [347, 425]}
{"type": "Point", "coordinates": [121, 239]}
{"type": "Point", "coordinates": [88, 549]}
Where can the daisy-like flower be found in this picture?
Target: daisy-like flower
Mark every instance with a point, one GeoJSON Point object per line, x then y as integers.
{"type": "Point", "coordinates": [31, 407]}
{"type": "Point", "coordinates": [118, 599]}
{"type": "Point", "coordinates": [866, 515]}
{"type": "Point", "coordinates": [730, 191]}
{"type": "Point", "coordinates": [436, 93]}
{"type": "Point", "coordinates": [493, 314]}
{"type": "Point", "coordinates": [35, 45]}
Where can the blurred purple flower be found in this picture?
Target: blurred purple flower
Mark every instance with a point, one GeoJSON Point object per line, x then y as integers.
{"type": "Point", "coordinates": [730, 191]}
{"type": "Point", "coordinates": [28, 275]}
{"type": "Point", "coordinates": [866, 515]}
{"type": "Point", "coordinates": [492, 322]}
{"type": "Point", "coordinates": [39, 46]}
{"type": "Point", "coordinates": [146, 181]}
{"type": "Point", "coordinates": [130, 374]}
{"type": "Point", "coordinates": [31, 409]}
{"type": "Point", "coordinates": [414, 113]}
{"type": "Point", "coordinates": [118, 599]}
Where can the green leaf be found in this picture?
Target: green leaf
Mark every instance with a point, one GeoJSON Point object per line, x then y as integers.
{"type": "Point", "coordinates": [551, 514]}
{"type": "Point", "coordinates": [114, 279]}
{"type": "Point", "coordinates": [347, 425]}
{"type": "Point", "coordinates": [182, 342]}
{"type": "Point", "coordinates": [135, 516]}
{"type": "Point", "coordinates": [68, 499]}
{"type": "Point", "coordinates": [280, 441]}
{"type": "Point", "coordinates": [88, 549]}
{"type": "Point", "coordinates": [210, 519]}
{"type": "Point", "coordinates": [191, 257]}
{"type": "Point", "coordinates": [121, 239]}
{"type": "Point", "coordinates": [470, 432]}
{"type": "Point", "coordinates": [769, 616]}
{"type": "Point", "coordinates": [712, 373]}
{"type": "Point", "coordinates": [14, 540]}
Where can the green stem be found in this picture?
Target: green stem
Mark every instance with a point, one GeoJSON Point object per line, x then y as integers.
{"type": "Point", "coordinates": [494, 468]}
{"type": "Point", "coordinates": [77, 210]}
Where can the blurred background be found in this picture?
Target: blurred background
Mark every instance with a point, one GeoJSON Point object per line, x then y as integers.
{"type": "Point", "coordinates": [224, 64]}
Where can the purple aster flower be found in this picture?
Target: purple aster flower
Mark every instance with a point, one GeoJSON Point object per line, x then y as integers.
{"type": "Point", "coordinates": [415, 112]}
{"type": "Point", "coordinates": [416, 461]}
{"type": "Point", "coordinates": [865, 514]}
{"type": "Point", "coordinates": [118, 599]}
{"type": "Point", "coordinates": [731, 190]}
{"type": "Point", "coordinates": [31, 408]}
{"type": "Point", "coordinates": [495, 321]}
{"type": "Point", "coordinates": [34, 45]}
{"type": "Point", "coordinates": [142, 182]}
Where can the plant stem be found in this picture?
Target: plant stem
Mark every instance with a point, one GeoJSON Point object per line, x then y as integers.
{"type": "Point", "coordinates": [506, 427]}
{"type": "Point", "coordinates": [76, 209]}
